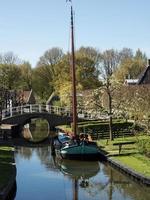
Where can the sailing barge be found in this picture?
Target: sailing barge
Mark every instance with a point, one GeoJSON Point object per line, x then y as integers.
{"type": "Point", "coordinates": [83, 150]}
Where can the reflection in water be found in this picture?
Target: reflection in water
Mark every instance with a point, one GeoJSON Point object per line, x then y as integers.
{"type": "Point", "coordinates": [79, 169]}
{"type": "Point", "coordinates": [42, 176]}
{"type": "Point", "coordinates": [36, 131]}
{"type": "Point", "coordinates": [80, 172]}
{"type": "Point", "coordinates": [12, 193]}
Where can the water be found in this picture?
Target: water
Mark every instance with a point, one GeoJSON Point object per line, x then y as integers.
{"type": "Point", "coordinates": [42, 177]}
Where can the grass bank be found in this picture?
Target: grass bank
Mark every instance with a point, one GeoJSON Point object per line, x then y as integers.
{"type": "Point", "coordinates": [130, 155]}
{"type": "Point", "coordinates": [6, 169]}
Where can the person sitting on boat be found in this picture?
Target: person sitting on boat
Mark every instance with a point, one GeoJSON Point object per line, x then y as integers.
{"type": "Point", "coordinates": [84, 138]}
{"type": "Point", "coordinates": [81, 136]}
{"type": "Point", "coordinates": [76, 139]}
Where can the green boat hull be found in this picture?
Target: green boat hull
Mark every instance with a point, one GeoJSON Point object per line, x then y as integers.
{"type": "Point", "coordinates": [80, 152]}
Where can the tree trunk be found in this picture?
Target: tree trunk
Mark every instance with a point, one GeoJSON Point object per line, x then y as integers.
{"type": "Point", "coordinates": [0, 117]}
{"type": "Point", "coordinates": [110, 115]}
{"type": "Point", "coordinates": [110, 128]}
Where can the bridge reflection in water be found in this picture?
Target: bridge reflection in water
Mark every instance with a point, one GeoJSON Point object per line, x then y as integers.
{"type": "Point", "coordinates": [37, 130]}
{"type": "Point", "coordinates": [41, 176]}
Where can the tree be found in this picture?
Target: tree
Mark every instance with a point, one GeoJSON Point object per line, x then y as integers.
{"type": "Point", "coordinates": [42, 82]}
{"type": "Point", "coordinates": [26, 76]}
{"type": "Point", "coordinates": [87, 72]}
{"type": "Point", "coordinates": [126, 53]}
{"type": "Point", "coordinates": [45, 73]}
{"type": "Point", "coordinates": [139, 55]}
{"type": "Point", "coordinates": [130, 66]}
{"type": "Point", "coordinates": [50, 59]}
{"type": "Point", "coordinates": [133, 101]}
{"type": "Point", "coordinates": [62, 82]}
{"type": "Point", "coordinates": [109, 64]}
{"type": "Point", "coordinates": [91, 101]}
{"type": "Point", "coordinates": [10, 75]}
{"type": "Point", "coordinates": [53, 71]}
{"type": "Point", "coordinates": [9, 70]}
{"type": "Point", "coordinates": [9, 59]}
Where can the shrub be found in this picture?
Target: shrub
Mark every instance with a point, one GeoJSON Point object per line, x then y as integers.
{"type": "Point", "coordinates": [144, 146]}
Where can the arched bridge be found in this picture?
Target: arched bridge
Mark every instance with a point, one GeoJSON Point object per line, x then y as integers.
{"type": "Point", "coordinates": [53, 114]}
{"type": "Point", "coordinates": [23, 114]}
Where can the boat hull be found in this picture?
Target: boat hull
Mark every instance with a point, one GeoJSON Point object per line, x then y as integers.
{"type": "Point", "coordinates": [80, 152]}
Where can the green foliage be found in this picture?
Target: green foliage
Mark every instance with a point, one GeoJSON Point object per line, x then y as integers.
{"type": "Point", "coordinates": [61, 82]}
{"type": "Point", "coordinates": [45, 73]}
{"type": "Point", "coordinates": [130, 65]}
{"type": "Point", "coordinates": [10, 76]}
{"type": "Point", "coordinates": [26, 76]}
{"type": "Point", "coordinates": [87, 62]}
{"type": "Point", "coordinates": [42, 82]}
{"type": "Point", "coordinates": [9, 71]}
{"type": "Point", "coordinates": [104, 126]}
{"type": "Point", "coordinates": [144, 146]}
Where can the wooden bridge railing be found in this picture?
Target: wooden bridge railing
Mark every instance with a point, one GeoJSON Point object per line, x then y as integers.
{"type": "Point", "coordinates": [35, 108]}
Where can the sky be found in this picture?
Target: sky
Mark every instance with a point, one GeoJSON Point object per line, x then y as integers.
{"type": "Point", "coordinates": [30, 27]}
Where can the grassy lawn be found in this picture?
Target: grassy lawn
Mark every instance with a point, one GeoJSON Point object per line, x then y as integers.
{"type": "Point", "coordinates": [129, 156]}
{"type": "Point", "coordinates": [107, 146]}
{"type": "Point", "coordinates": [137, 162]}
{"type": "Point", "coordinates": [5, 165]}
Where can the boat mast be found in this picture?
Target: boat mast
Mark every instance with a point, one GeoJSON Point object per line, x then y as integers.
{"type": "Point", "coordinates": [74, 98]}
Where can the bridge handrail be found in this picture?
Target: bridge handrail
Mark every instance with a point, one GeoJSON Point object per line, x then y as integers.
{"type": "Point", "coordinates": [40, 108]}
{"type": "Point", "coordinates": [32, 108]}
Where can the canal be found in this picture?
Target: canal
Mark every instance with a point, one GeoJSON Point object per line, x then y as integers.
{"type": "Point", "coordinates": [41, 176]}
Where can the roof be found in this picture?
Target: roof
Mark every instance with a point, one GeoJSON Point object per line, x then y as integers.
{"type": "Point", "coordinates": [143, 75]}
{"type": "Point", "coordinates": [24, 96]}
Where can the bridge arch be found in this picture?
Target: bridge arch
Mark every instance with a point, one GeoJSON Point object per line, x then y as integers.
{"type": "Point", "coordinates": [53, 119]}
